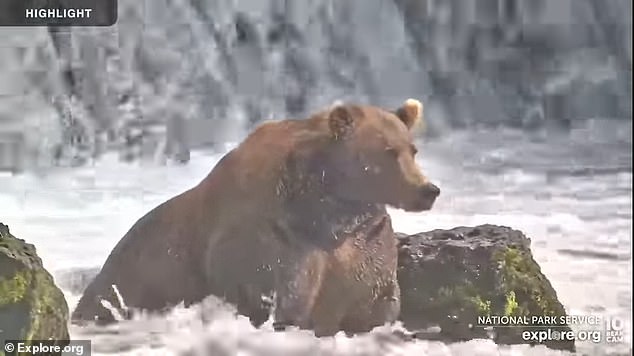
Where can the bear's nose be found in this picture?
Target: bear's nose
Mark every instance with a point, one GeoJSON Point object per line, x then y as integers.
{"type": "Point", "coordinates": [432, 190]}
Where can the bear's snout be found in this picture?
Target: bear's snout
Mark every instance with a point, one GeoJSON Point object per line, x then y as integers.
{"type": "Point", "coordinates": [431, 190]}
{"type": "Point", "coordinates": [425, 197]}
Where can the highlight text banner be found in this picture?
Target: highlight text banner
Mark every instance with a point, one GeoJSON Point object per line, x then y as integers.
{"type": "Point", "coordinates": [58, 12]}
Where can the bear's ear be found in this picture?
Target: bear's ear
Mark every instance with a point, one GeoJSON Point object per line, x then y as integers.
{"type": "Point", "coordinates": [340, 122]}
{"type": "Point", "coordinates": [411, 112]}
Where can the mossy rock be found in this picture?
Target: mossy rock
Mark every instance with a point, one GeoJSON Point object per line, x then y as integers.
{"type": "Point", "coordinates": [449, 278]}
{"type": "Point", "coordinates": [31, 305]}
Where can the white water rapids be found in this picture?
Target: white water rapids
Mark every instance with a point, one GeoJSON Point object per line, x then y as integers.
{"type": "Point", "coordinates": [557, 71]}
{"type": "Point", "coordinates": [570, 193]}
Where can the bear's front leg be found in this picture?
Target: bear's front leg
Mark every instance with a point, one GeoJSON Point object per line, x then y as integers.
{"type": "Point", "coordinates": [384, 308]}
{"type": "Point", "coordinates": [298, 284]}
{"type": "Point", "coordinates": [387, 307]}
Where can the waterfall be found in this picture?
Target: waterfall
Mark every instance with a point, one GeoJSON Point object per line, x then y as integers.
{"type": "Point", "coordinates": [173, 75]}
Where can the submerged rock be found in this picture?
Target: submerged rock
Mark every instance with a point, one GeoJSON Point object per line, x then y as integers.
{"type": "Point", "coordinates": [449, 278]}
{"type": "Point", "coordinates": [31, 305]}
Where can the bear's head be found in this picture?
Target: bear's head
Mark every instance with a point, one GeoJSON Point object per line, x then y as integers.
{"type": "Point", "coordinates": [372, 157]}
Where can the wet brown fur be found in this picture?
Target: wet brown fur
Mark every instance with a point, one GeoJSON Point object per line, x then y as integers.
{"type": "Point", "coordinates": [297, 209]}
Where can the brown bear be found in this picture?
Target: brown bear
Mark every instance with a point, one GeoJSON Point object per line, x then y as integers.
{"type": "Point", "coordinates": [297, 210]}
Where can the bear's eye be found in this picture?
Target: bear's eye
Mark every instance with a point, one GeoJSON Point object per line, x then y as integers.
{"type": "Point", "coordinates": [413, 149]}
{"type": "Point", "coordinates": [392, 151]}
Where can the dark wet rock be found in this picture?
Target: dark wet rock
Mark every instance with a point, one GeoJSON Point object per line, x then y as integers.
{"type": "Point", "coordinates": [31, 305]}
{"type": "Point", "coordinates": [449, 278]}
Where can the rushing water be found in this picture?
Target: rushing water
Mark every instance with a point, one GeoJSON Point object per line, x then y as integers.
{"type": "Point", "coordinates": [205, 70]}
{"type": "Point", "coordinates": [528, 104]}
{"type": "Point", "coordinates": [571, 193]}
